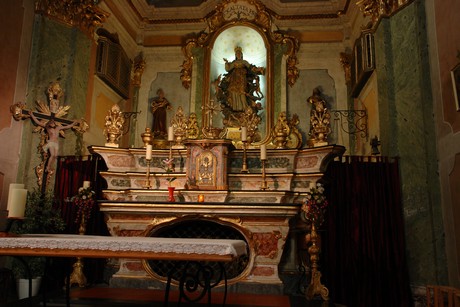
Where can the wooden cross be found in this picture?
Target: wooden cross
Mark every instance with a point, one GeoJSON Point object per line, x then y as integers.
{"type": "Point", "coordinates": [50, 124]}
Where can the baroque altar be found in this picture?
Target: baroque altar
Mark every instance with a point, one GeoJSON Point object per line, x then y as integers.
{"type": "Point", "coordinates": [234, 206]}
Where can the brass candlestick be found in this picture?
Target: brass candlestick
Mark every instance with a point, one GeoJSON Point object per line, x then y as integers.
{"type": "Point", "coordinates": [264, 181]}
{"type": "Point", "coordinates": [147, 184]}
{"type": "Point", "coordinates": [77, 276]}
{"type": "Point", "coordinates": [315, 287]}
{"type": "Point", "coordinates": [245, 164]}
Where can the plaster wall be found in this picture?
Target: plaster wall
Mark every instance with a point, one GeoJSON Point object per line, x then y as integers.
{"type": "Point", "coordinates": [15, 33]}
{"type": "Point", "coordinates": [407, 126]}
{"type": "Point", "coordinates": [59, 53]}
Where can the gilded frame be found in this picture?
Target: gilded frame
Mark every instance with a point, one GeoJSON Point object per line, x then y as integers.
{"type": "Point", "coordinates": [247, 13]}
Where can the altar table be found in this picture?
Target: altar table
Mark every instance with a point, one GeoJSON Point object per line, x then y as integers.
{"type": "Point", "coordinates": [153, 248]}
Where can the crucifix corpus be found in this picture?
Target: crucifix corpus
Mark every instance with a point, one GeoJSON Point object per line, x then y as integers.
{"type": "Point", "coordinates": [51, 125]}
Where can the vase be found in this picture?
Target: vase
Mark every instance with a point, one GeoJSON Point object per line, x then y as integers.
{"type": "Point", "coordinates": [171, 198]}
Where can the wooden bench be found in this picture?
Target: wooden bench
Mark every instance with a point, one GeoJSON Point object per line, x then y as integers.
{"type": "Point", "coordinates": [152, 248]}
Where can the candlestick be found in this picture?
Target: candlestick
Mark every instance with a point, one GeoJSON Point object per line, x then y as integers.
{"type": "Point", "coordinates": [263, 152]}
{"type": "Point", "coordinates": [171, 133]}
{"type": "Point", "coordinates": [244, 134]}
{"type": "Point", "coordinates": [245, 164]}
{"type": "Point", "coordinates": [148, 152]}
{"type": "Point", "coordinates": [264, 181]}
{"type": "Point", "coordinates": [147, 185]}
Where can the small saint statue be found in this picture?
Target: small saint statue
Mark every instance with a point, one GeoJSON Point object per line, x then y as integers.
{"type": "Point", "coordinates": [159, 106]}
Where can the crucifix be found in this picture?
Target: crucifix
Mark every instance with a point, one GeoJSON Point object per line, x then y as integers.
{"type": "Point", "coordinates": [50, 123]}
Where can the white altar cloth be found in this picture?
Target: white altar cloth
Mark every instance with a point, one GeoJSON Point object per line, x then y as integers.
{"type": "Point", "coordinates": [63, 245]}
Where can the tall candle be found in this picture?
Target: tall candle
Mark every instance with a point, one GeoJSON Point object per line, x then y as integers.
{"type": "Point", "coordinates": [86, 184]}
{"type": "Point", "coordinates": [18, 203]}
{"type": "Point", "coordinates": [170, 134]}
{"type": "Point", "coordinates": [263, 152]}
{"type": "Point", "coordinates": [148, 152]}
{"type": "Point", "coordinates": [10, 191]}
{"type": "Point", "coordinates": [244, 134]}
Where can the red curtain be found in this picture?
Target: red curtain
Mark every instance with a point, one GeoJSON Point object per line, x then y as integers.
{"type": "Point", "coordinates": [70, 173]}
{"type": "Point", "coordinates": [363, 257]}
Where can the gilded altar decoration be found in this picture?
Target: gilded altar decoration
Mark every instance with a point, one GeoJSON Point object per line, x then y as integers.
{"type": "Point", "coordinates": [206, 169]}
{"type": "Point", "coordinates": [138, 70]}
{"type": "Point", "coordinates": [377, 9]}
{"type": "Point", "coordinates": [51, 124]}
{"type": "Point", "coordinates": [345, 60]}
{"type": "Point", "coordinates": [114, 123]}
{"type": "Point", "coordinates": [85, 203]}
{"type": "Point", "coordinates": [81, 13]}
{"type": "Point", "coordinates": [234, 12]}
{"type": "Point", "coordinates": [281, 131]}
{"type": "Point", "coordinates": [179, 124]}
{"type": "Point", "coordinates": [320, 120]}
{"type": "Point", "coordinates": [208, 130]}
{"type": "Point", "coordinates": [193, 131]}
{"type": "Point", "coordinates": [251, 121]}
{"type": "Point", "coordinates": [294, 139]}
{"type": "Point", "coordinates": [314, 209]}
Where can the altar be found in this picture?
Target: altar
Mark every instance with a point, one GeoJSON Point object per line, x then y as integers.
{"type": "Point", "coordinates": [236, 209]}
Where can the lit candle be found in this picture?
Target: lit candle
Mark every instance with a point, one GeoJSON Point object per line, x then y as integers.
{"type": "Point", "coordinates": [170, 134]}
{"type": "Point", "coordinates": [18, 203]}
{"type": "Point", "coordinates": [148, 152]}
{"type": "Point", "coordinates": [244, 134]}
{"type": "Point", "coordinates": [263, 152]}
{"type": "Point", "coordinates": [201, 198]}
{"type": "Point", "coordinates": [86, 184]}
{"type": "Point", "coordinates": [10, 191]}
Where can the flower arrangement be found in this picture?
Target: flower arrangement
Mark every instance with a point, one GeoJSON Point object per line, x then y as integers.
{"type": "Point", "coordinates": [169, 168]}
{"type": "Point", "coordinates": [315, 205]}
{"type": "Point", "coordinates": [85, 203]}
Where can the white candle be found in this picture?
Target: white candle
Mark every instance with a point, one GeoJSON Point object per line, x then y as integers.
{"type": "Point", "coordinates": [86, 184]}
{"type": "Point", "coordinates": [170, 134]}
{"type": "Point", "coordinates": [148, 152]}
{"type": "Point", "coordinates": [18, 203]}
{"type": "Point", "coordinates": [10, 191]}
{"type": "Point", "coordinates": [244, 134]}
{"type": "Point", "coordinates": [263, 152]}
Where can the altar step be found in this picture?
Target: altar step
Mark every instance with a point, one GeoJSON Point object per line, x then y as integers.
{"type": "Point", "coordinates": [105, 296]}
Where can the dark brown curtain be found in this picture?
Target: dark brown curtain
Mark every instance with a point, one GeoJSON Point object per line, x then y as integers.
{"type": "Point", "coordinates": [363, 246]}
{"type": "Point", "coordinates": [71, 171]}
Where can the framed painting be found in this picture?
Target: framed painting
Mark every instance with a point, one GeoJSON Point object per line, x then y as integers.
{"type": "Point", "coordinates": [455, 74]}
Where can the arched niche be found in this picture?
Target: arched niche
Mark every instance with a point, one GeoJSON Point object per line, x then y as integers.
{"type": "Point", "coordinates": [247, 25]}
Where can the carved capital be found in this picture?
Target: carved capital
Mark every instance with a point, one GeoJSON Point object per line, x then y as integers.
{"type": "Point", "coordinates": [80, 13]}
